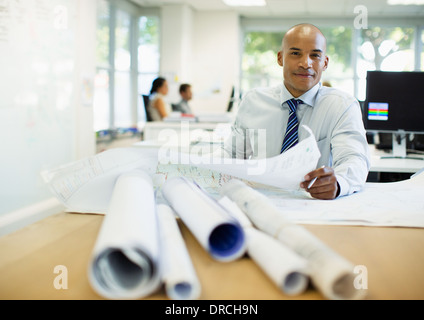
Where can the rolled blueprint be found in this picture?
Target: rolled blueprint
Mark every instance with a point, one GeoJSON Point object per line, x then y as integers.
{"type": "Point", "coordinates": [215, 229]}
{"type": "Point", "coordinates": [286, 269]}
{"type": "Point", "coordinates": [283, 266]}
{"type": "Point", "coordinates": [178, 274]}
{"type": "Point", "coordinates": [331, 274]}
{"type": "Point", "coordinates": [125, 259]}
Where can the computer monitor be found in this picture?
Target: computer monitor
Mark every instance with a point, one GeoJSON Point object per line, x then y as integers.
{"type": "Point", "coordinates": [394, 105]}
{"type": "Point", "coordinates": [232, 98]}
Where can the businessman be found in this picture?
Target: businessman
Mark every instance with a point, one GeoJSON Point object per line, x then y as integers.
{"type": "Point", "coordinates": [333, 116]}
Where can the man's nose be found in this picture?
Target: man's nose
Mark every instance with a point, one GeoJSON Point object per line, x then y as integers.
{"type": "Point", "coordinates": [305, 62]}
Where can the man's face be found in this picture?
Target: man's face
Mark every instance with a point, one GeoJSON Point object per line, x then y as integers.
{"type": "Point", "coordinates": [303, 59]}
{"type": "Point", "coordinates": [187, 94]}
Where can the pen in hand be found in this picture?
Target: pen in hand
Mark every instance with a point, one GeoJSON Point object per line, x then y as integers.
{"type": "Point", "coordinates": [313, 180]}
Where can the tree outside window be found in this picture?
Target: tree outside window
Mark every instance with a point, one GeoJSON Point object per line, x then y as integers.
{"type": "Point", "coordinates": [259, 60]}
{"type": "Point", "coordinates": [385, 49]}
{"type": "Point", "coordinates": [339, 50]}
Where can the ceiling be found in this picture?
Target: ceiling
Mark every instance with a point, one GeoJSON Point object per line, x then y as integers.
{"type": "Point", "coordinates": [299, 8]}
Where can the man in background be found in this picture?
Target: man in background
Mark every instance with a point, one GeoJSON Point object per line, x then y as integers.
{"type": "Point", "coordinates": [186, 96]}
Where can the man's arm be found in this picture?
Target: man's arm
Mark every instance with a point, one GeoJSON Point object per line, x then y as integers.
{"type": "Point", "coordinates": [351, 160]}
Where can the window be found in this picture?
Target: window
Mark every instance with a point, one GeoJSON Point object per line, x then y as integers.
{"type": "Point", "coordinates": [122, 81]}
{"type": "Point", "coordinates": [339, 51]}
{"type": "Point", "coordinates": [148, 55]}
{"type": "Point", "coordinates": [259, 60]}
{"type": "Point", "coordinates": [422, 49]}
{"type": "Point", "coordinates": [385, 49]}
{"type": "Point", "coordinates": [127, 63]}
{"type": "Point", "coordinates": [102, 115]}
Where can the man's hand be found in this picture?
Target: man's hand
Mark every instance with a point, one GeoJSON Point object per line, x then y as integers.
{"type": "Point", "coordinates": [325, 187]}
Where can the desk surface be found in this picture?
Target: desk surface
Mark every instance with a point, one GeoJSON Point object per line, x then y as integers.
{"type": "Point", "coordinates": [154, 130]}
{"type": "Point", "coordinates": [393, 256]}
{"type": "Point", "coordinates": [381, 162]}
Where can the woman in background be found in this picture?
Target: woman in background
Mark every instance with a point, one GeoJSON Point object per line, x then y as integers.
{"type": "Point", "coordinates": [158, 108]}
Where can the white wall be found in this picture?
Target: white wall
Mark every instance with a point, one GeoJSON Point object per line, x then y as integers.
{"type": "Point", "coordinates": [176, 46]}
{"type": "Point", "coordinates": [85, 140]}
{"type": "Point", "coordinates": [58, 119]}
{"type": "Point", "coordinates": [201, 48]}
{"type": "Point", "coordinates": [216, 62]}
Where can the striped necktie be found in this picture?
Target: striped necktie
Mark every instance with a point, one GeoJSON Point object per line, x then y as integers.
{"type": "Point", "coordinates": [291, 137]}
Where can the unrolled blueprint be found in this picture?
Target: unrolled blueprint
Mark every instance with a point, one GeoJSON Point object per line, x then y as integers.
{"type": "Point", "coordinates": [284, 171]}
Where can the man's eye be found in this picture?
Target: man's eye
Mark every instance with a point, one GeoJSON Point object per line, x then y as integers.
{"type": "Point", "coordinates": [295, 53]}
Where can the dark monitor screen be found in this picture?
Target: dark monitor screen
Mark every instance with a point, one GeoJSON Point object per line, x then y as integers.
{"type": "Point", "coordinates": [231, 102]}
{"type": "Point", "coordinates": [394, 101]}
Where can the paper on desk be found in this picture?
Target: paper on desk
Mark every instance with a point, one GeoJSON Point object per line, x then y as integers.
{"type": "Point", "coordinates": [86, 185]}
{"type": "Point", "coordinates": [283, 171]}
{"type": "Point", "coordinates": [125, 258]}
{"type": "Point", "coordinates": [330, 273]}
{"type": "Point", "coordinates": [283, 266]}
{"type": "Point", "coordinates": [398, 204]}
{"type": "Point", "coordinates": [215, 229]}
{"type": "Point", "coordinates": [178, 273]}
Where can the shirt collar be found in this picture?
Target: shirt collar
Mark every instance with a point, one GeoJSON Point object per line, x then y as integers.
{"type": "Point", "coordinates": [308, 97]}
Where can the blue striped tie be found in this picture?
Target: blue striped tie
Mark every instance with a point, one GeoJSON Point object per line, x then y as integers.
{"type": "Point", "coordinates": [291, 138]}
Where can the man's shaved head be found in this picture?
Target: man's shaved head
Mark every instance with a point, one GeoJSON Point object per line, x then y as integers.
{"type": "Point", "coordinates": [303, 30]}
{"type": "Point", "coordinates": [303, 58]}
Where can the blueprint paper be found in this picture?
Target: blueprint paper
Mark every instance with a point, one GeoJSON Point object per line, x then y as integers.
{"type": "Point", "coordinates": [125, 259]}
{"type": "Point", "coordinates": [286, 170]}
{"type": "Point", "coordinates": [331, 273]}
{"type": "Point", "coordinates": [282, 265]}
{"type": "Point", "coordinates": [178, 273]}
{"type": "Point", "coordinates": [212, 225]}
{"type": "Point", "coordinates": [393, 204]}
{"type": "Point", "coordinates": [86, 185]}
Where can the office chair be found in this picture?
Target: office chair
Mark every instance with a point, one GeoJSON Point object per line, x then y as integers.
{"type": "Point", "coordinates": [146, 103]}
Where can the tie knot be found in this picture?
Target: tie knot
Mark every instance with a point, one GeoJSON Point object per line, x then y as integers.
{"type": "Point", "coordinates": [293, 103]}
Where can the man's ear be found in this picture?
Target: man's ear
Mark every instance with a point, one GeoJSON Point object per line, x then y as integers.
{"type": "Point", "coordinates": [280, 58]}
{"type": "Point", "coordinates": [327, 59]}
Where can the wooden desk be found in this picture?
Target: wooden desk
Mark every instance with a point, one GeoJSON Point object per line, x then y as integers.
{"type": "Point", "coordinates": [393, 256]}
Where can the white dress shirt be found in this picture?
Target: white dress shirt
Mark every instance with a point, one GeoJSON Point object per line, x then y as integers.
{"type": "Point", "coordinates": [183, 107]}
{"type": "Point", "coordinates": [154, 113]}
{"type": "Point", "coordinates": [333, 116]}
